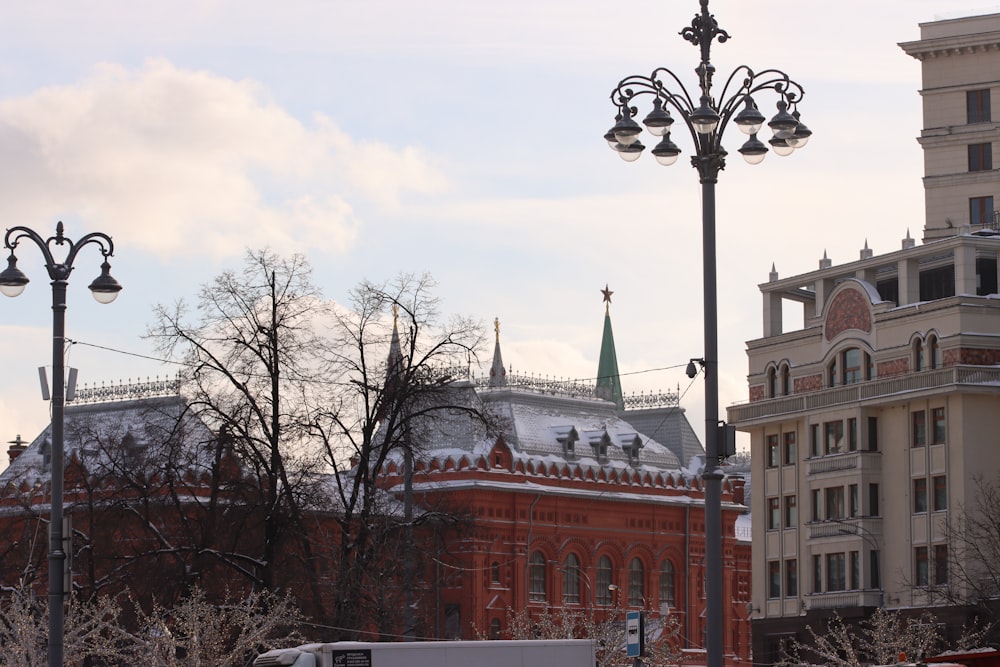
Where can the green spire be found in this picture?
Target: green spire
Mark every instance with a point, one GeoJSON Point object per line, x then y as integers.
{"type": "Point", "coordinates": [609, 385]}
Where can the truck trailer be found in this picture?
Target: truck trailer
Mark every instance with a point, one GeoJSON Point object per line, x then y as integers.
{"type": "Point", "coordinates": [486, 653]}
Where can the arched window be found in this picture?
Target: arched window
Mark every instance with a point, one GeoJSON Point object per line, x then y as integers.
{"type": "Point", "coordinates": [784, 383]}
{"type": "Point", "coordinates": [772, 384]}
{"type": "Point", "coordinates": [536, 577]}
{"type": "Point", "coordinates": [571, 579]}
{"type": "Point", "coordinates": [636, 583]}
{"type": "Point", "coordinates": [933, 352]}
{"type": "Point", "coordinates": [849, 366]}
{"type": "Point", "coordinates": [667, 584]}
{"type": "Point", "coordinates": [603, 591]}
{"type": "Point", "coordinates": [918, 355]}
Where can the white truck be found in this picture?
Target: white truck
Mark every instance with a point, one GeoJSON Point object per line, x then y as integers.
{"type": "Point", "coordinates": [487, 653]}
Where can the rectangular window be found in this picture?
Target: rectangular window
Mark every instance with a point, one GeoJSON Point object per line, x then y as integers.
{"type": "Point", "coordinates": [980, 157]}
{"type": "Point", "coordinates": [873, 500]}
{"type": "Point", "coordinates": [774, 579]}
{"type": "Point", "coordinates": [772, 451]}
{"type": "Point", "coordinates": [855, 571]}
{"type": "Point", "coordinates": [814, 440]}
{"type": "Point", "coordinates": [873, 565]}
{"type": "Point", "coordinates": [789, 444]}
{"type": "Point", "coordinates": [937, 283]}
{"type": "Point", "coordinates": [919, 495]}
{"type": "Point", "coordinates": [836, 572]}
{"type": "Point", "coordinates": [940, 493]}
{"type": "Point", "coordinates": [939, 430]}
{"type": "Point", "coordinates": [852, 434]}
{"type": "Point", "coordinates": [919, 428]}
{"type": "Point", "coordinates": [920, 572]}
{"type": "Point", "coordinates": [817, 510]}
{"type": "Point", "coordinates": [791, 578]}
{"type": "Point", "coordinates": [873, 434]}
{"type": "Point", "coordinates": [834, 440]}
{"type": "Point", "coordinates": [940, 564]}
{"type": "Point", "coordinates": [986, 278]}
{"type": "Point", "coordinates": [981, 211]}
{"type": "Point", "coordinates": [853, 500]}
{"type": "Point", "coordinates": [888, 289]}
{"type": "Point", "coordinates": [977, 106]}
{"type": "Point", "coordinates": [773, 514]}
{"type": "Point", "coordinates": [791, 512]}
{"type": "Point", "coordinates": [835, 502]}
{"type": "Point", "coordinates": [817, 574]}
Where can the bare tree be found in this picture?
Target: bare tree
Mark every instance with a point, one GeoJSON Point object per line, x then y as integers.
{"type": "Point", "coordinates": [607, 629]}
{"type": "Point", "coordinates": [393, 367]}
{"type": "Point", "coordinates": [197, 632]}
{"type": "Point", "coordinates": [92, 630]}
{"type": "Point", "coordinates": [252, 349]}
{"type": "Point", "coordinates": [974, 547]}
{"type": "Point", "coordinates": [880, 639]}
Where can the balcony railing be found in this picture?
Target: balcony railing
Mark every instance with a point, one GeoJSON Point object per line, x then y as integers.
{"type": "Point", "coordinates": [843, 599]}
{"type": "Point", "coordinates": [855, 393]}
{"type": "Point", "coordinates": [869, 528]}
{"type": "Point", "coordinates": [859, 461]}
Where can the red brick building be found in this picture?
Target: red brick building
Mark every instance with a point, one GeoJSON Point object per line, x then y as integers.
{"type": "Point", "coordinates": [571, 506]}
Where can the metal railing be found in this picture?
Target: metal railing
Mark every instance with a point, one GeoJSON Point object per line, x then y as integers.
{"type": "Point", "coordinates": [855, 393]}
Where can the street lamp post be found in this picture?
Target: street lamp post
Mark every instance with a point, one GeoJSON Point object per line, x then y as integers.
{"type": "Point", "coordinates": [706, 119]}
{"type": "Point", "coordinates": [105, 289]}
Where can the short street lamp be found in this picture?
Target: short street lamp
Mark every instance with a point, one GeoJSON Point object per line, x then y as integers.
{"type": "Point", "coordinates": [105, 289]}
{"type": "Point", "coordinates": [706, 119]}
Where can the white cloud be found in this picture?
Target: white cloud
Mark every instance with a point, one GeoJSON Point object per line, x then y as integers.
{"type": "Point", "coordinates": [160, 155]}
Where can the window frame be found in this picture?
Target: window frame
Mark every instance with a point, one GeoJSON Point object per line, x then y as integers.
{"type": "Point", "coordinates": [789, 448]}
{"type": "Point", "coordinates": [921, 566]}
{"type": "Point", "coordinates": [571, 579]}
{"type": "Point", "coordinates": [791, 577]}
{"type": "Point", "coordinates": [537, 575]}
{"type": "Point", "coordinates": [977, 106]}
{"type": "Point", "coordinates": [919, 487]}
{"type": "Point", "coordinates": [980, 156]}
{"type": "Point", "coordinates": [604, 579]}
{"type": "Point", "coordinates": [773, 513]}
{"type": "Point", "coordinates": [668, 588]}
{"type": "Point", "coordinates": [918, 423]}
{"type": "Point", "coordinates": [939, 484]}
{"type": "Point", "coordinates": [981, 211]}
{"type": "Point", "coordinates": [791, 511]}
{"type": "Point", "coordinates": [938, 427]}
{"type": "Point", "coordinates": [636, 582]}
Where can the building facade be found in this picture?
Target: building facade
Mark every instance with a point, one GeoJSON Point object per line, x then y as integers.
{"type": "Point", "coordinates": [870, 424]}
{"type": "Point", "coordinates": [567, 506]}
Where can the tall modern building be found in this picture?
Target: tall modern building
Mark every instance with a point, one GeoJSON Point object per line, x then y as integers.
{"type": "Point", "coordinates": [869, 423]}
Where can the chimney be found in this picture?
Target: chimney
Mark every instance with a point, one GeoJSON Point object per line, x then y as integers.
{"type": "Point", "coordinates": [739, 489]}
{"type": "Point", "coordinates": [17, 447]}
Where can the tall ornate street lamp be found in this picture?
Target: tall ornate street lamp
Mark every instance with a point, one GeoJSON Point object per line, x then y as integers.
{"type": "Point", "coordinates": [706, 119]}
{"type": "Point", "coordinates": [105, 289]}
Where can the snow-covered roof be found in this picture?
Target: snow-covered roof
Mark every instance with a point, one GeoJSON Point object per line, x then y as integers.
{"type": "Point", "coordinates": [96, 433]}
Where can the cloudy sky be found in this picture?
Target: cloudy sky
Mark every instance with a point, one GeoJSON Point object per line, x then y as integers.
{"type": "Point", "coordinates": [458, 137]}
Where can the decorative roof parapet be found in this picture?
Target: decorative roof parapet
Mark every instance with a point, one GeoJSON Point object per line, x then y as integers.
{"type": "Point", "coordinates": [128, 391]}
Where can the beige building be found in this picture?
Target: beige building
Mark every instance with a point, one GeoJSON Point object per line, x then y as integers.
{"type": "Point", "coordinates": [960, 70]}
{"type": "Point", "coordinates": [869, 422]}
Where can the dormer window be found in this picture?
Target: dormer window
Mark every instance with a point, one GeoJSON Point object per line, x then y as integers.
{"type": "Point", "coordinates": [599, 442]}
{"type": "Point", "coordinates": [567, 436]}
{"type": "Point", "coordinates": [631, 444]}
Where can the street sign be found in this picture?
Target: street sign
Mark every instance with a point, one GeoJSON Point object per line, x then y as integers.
{"type": "Point", "coordinates": [635, 638]}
